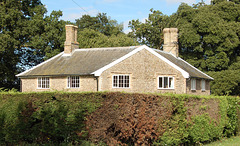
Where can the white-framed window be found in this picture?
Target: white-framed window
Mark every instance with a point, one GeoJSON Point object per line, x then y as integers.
{"type": "Point", "coordinates": [193, 84]}
{"type": "Point", "coordinates": [203, 85]}
{"type": "Point", "coordinates": [165, 82]}
{"type": "Point", "coordinates": [73, 82]}
{"type": "Point", "coordinates": [43, 82]}
{"type": "Point", "coordinates": [121, 81]}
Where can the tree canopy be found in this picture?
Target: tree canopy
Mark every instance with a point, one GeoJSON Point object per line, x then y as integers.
{"type": "Point", "coordinates": [101, 31]}
{"type": "Point", "coordinates": [209, 38]}
{"type": "Point", "coordinates": [100, 23]}
{"type": "Point", "coordinates": [27, 37]}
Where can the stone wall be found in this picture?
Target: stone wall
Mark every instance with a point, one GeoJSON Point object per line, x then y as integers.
{"type": "Point", "coordinates": [87, 83]}
{"type": "Point", "coordinates": [143, 73]}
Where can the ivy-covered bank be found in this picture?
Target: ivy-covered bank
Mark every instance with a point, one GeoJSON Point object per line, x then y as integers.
{"type": "Point", "coordinates": [115, 118]}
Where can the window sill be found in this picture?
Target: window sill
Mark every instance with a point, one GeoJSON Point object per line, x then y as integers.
{"type": "Point", "coordinates": [42, 88]}
{"type": "Point", "coordinates": [165, 88]}
{"type": "Point", "coordinates": [193, 90]}
{"type": "Point", "coordinates": [121, 87]}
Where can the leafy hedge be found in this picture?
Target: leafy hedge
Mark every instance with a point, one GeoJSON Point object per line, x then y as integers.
{"type": "Point", "coordinates": [45, 117]}
{"type": "Point", "coordinates": [58, 117]}
{"type": "Point", "coordinates": [200, 127]}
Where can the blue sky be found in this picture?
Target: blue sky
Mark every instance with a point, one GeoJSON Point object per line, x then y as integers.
{"type": "Point", "coordinates": [121, 10]}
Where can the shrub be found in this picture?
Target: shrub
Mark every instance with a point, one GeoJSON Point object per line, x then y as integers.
{"type": "Point", "coordinates": [115, 118]}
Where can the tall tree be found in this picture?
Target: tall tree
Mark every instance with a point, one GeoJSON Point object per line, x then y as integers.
{"type": "Point", "coordinates": [209, 37]}
{"type": "Point", "coordinates": [14, 32]}
{"type": "Point", "coordinates": [26, 36]}
{"type": "Point", "coordinates": [100, 23]}
{"type": "Point", "coordinates": [101, 31]}
{"type": "Point", "coordinates": [209, 34]}
{"type": "Point", "coordinates": [150, 31]}
{"type": "Point", "coordinates": [89, 38]}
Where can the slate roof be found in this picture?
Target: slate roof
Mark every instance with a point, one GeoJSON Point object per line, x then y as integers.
{"type": "Point", "coordinates": [87, 61]}
{"type": "Point", "coordinates": [193, 72]}
{"type": "Point", "coordinates": [81, 62]}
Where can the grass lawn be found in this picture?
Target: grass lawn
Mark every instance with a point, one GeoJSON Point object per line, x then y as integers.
{"type": "Point", "coordinates": [232, 141]}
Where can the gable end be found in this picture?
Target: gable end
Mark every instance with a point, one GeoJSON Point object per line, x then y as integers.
{"type": "Point", "coordinates": [99, 71]}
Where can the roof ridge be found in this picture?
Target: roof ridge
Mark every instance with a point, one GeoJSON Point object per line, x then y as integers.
{"type": "Point", "coordinates": [164, 52]}
{"type": "Point", "coordinates": [106, 48]}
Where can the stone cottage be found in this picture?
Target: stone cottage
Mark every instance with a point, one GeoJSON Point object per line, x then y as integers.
{"type": "Point", "coordinates": [130, 69]}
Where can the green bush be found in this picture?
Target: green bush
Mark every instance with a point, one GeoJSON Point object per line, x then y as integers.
{"type": "Point", "coordinates": [45, 117]}
{"type": "Point", "coordinates": [60, 118]}
{"type": "Point", "coordinates": [200, 128]}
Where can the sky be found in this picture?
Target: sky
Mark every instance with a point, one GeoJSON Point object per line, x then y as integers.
{"type": "Point", "coordinates": [121, 10]}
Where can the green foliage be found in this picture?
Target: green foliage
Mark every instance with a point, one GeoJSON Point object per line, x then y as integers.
{"type": "Point", "coordinates": [46, 117]}
{"type": "Point", "coordinates": [200, 128]}
{"type": "Point", "coordinates": [150, 31]}
{"type": "Point", "coordinates": [226, 82]}
{"type": "Point", "coordinates": [208, 38]}
{"type": "Point", "coordinates": [27, 37]}
{"type": "Point", "coordinates": [100, 23]}
{"type": "Point", "coordinates": [59, 118]}
{"type": "Point", "coordinates": [203, 129]}
{"type": "Point", "coordinates": [176, 127]}
{"type": "Point", "coordinates": [232, 114]}
{"type": "Point", "coordinates": [101, 31]}
{"type": "Point", "coordinates": [89, 38]}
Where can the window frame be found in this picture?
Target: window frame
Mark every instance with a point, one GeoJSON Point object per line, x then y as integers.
{"type": "Point", "coordinates": [43, 83]}
{"type": "Point", "coordinates": [203, 85]}
{"type": "Point", "coordinates": [123, 82]}
{"type": "Point", "coordinates": [193, 84]}
{"type": "Point", "coordinates": [163, 82]}
{"type": "Point", "coordinates": [73, 80]}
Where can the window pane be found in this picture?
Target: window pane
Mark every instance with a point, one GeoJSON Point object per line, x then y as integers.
{"type": "Point", "coordinates": [120, 81]}
{"type": "Point", "coordinates": [127, 81]}
{"type": "Point", "coordinates": [170, 82]}
{"type": "Point", "coordinates": [115, 78]}
{"type": "Point", "coordinates": [165, 82]}
{"type": "Point", "coordinates": [203, 85]}
{"type": "Point", "coordinates": [39, 82]}
{"type": "Point", "coordinates": [47, 82]}
{"type": "Point", "coordinates": [193, 84]}
{"type": "Point", "coordinates": [160, 82]}
{"type": "Point", "coordinates": [77, 82]}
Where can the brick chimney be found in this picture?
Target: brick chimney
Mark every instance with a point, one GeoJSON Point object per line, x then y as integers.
{"type": "Point", "coordinates": [171, 41]}
{"type": "Point", "coordinates": [71, 39]}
